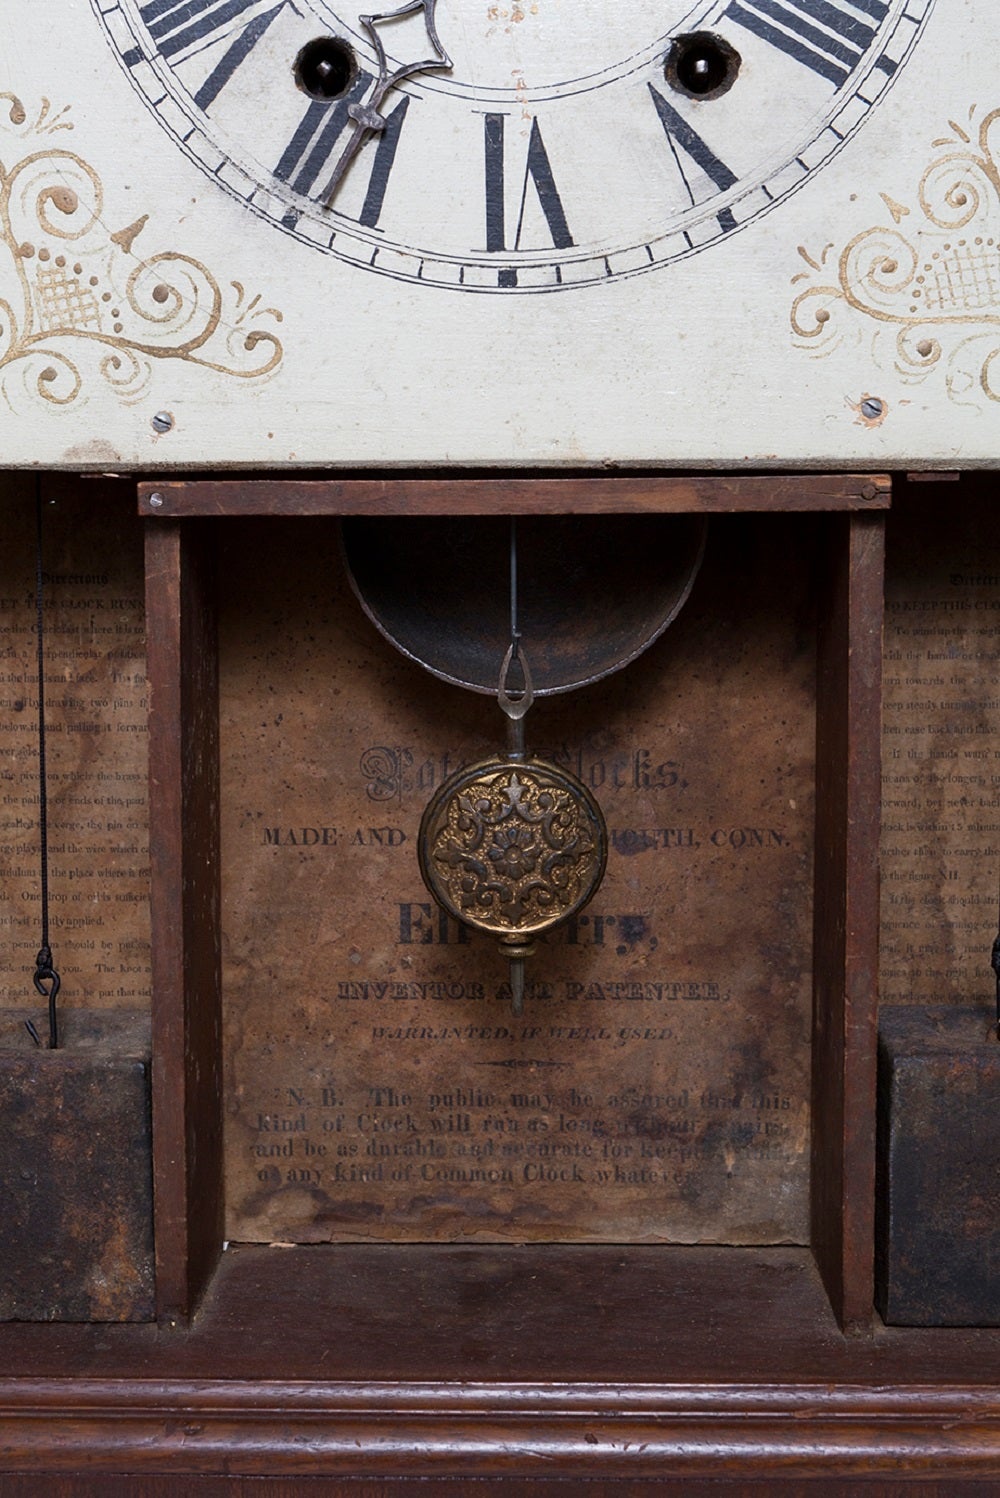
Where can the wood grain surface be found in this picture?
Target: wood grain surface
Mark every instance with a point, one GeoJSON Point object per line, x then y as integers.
{"type": "Point", "coordinates": [475, 495]}
{"type": "Point", "coordinates": [184, 898]}
{"type": "Point", "coordinates": [363, 1371]}
{"type": "Point", "coordinates": [585, 1362]}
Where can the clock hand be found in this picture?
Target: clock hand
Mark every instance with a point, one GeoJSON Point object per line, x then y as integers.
{"type": "Point", "coordinates": [367, 117]}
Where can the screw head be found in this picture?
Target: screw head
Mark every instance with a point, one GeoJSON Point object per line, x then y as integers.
{"type": "Point", "coordinates": [155, 501]}
{"type": "Point", "coordinates": [872, 408]}
{"type": "Point", "coordinates": [162, 421]}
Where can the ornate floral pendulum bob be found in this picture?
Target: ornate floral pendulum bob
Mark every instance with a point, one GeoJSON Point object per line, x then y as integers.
{"type": "Point", "coordinates": [513, 845]}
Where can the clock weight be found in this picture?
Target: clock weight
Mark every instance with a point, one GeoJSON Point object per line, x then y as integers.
{"type": "Point", "coordinates": [75, 1139]}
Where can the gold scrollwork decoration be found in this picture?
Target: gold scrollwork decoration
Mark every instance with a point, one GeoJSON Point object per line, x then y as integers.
{"type": "Point", "coordinates": [512, 847]}
{"type": "Point", "coordinates": [78, 303]}
{"type": "Point", "coordinates": [926, 292]}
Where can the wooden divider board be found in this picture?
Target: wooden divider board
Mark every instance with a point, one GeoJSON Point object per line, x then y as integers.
{"type": "Point", "coordinates": [379, 1086]}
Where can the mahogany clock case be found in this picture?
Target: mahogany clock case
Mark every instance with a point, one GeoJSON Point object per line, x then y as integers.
{"type": "Point", "coordinates": [651, 1308]}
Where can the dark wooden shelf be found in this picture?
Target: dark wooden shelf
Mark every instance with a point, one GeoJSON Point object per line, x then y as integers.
{"type": "Point", "coordinates": [414, 1314]}
{"type": "Point", "coordinates": [423, 1360]}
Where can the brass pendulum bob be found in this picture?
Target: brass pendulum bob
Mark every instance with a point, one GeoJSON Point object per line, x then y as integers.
{"type": "Point", "coordinates": [513, 845]}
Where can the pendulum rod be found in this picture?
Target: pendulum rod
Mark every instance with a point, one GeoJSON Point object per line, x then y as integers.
{"type": "Point", "coordinates": [45, 977]}
{"type": "Point", "coordinates": [515, 707]}
{"type": "Point", "coordinates": [515, 722]}
{"type": "Point", "coordinates": [513, 845]}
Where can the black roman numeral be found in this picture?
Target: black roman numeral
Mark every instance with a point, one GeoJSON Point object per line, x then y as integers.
{"type": "Point", "coordinates": [234, 55]}
{"type": "Point", "coordinates": [825, 36]}
{"type": "Point", "coordinates": [176, 25]}
{"type": "Point", "coordinates": [683, 138]}
{"type": "Point", "coordinates": [319, 138]}
{"type": "Point", "coordinates": [181, 25]}
{"type": "Point", "coordinates": [537, 174]}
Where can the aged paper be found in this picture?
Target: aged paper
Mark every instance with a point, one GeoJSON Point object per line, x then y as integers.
{"type": "Point", "coordinates": [940, 762]}
{"type": "Point", "coordinates": [378, 1084]}
{"type": "Point", "coordinates": [96, 744]}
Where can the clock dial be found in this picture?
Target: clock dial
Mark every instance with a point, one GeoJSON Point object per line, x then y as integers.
{"type": "Point", "coordinates": [560, 148]}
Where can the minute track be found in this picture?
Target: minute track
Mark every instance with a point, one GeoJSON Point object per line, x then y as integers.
{"type": "Point", "coordinates": [565, 219]}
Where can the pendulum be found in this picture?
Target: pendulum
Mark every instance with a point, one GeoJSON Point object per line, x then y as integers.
{"type": "Point", "coordinates": [513, 845]}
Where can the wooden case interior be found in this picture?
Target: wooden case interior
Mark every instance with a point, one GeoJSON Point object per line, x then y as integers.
{"type": "Point", "coordinates": [633, 1316]}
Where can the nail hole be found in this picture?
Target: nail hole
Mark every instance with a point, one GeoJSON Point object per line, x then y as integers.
{"type": "Point", "coordinates": [325, 68]}
{"type": "Point", "coordinates": [701, 65]}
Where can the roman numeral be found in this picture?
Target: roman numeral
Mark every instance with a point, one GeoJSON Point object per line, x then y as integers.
{"type": "Point", "coordinates": [233, 56]}
{"type": "Point", "coordinates": [537, 175]}
{"type": "Point", "coordinates": [182, 25]}
{"type": "Point", "coordinates": [176, 25]}
{"type": "Point", "coordinates": [825, 36]}
{"type": "Point", "coordinates": [317, 141]}
{"type": "Point", "coordinates": [683, 138]}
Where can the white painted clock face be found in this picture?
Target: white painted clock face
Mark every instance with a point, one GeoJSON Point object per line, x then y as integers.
{"type": "Point", "coordinates": [651, 233]}
{"type": "Point", "coordinates": [559, 148]}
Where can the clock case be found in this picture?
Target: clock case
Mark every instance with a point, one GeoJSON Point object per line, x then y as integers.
{"type": "Point", "coordinates": [595, 1368]}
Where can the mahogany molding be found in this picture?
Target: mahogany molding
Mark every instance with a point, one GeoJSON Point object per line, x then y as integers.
{"type": "Point", "coordinates": [94, 1426]}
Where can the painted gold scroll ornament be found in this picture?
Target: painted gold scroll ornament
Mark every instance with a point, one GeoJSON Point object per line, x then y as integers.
{"type": "Point", "coordinates": [79, 305]}
{"type": "Point", "coordinates": [924, 291]}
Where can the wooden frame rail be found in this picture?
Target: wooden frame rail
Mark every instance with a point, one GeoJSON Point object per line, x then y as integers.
{"type": "Point", "coordinates": [183, 672]}
{"type": "Point", "coordinates": [625, 495]}
{"type": "Point", "coordinates": [846, 926]}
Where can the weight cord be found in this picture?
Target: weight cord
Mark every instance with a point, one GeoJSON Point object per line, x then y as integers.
{"type": "Point", "coordinates": [44, 972]}
{"type": "Point", "coordinates": [995, 965]}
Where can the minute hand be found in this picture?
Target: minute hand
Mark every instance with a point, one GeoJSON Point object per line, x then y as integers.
{"type": "Point", "coordinates": [367, 117]}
